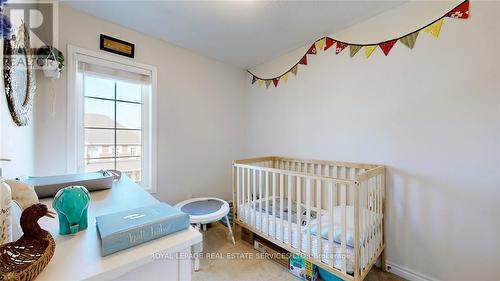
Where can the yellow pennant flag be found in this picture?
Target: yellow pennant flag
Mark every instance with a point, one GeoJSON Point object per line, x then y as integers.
{"type": "Point", "coordinates": [320, 43]}
{"type": "Point", "coordinates": [284, 78]}
{"type": "Point", "coordinates": [268, 82]}
{"type": "Point", "coordinates": [260, 82]}
{"type": "Point", "coordinates": [369, 50]}
{"type": "Point", "coordinates": [434, 28]}
{"type": "Point", "coordinates": [354, 50]}
{"type": "Point", "coordinates": [409, 41]}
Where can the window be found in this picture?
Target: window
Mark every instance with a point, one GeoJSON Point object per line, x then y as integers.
{"type": "Point", "coordinates": [114, 117]}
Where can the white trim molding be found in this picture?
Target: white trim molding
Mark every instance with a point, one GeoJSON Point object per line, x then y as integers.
{"type": "Point", "coordinates": [74, 102]}
{"type": "Point", "coordinates": [407, 273]}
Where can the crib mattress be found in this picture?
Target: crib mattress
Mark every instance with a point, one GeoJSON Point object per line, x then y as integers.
{"type": "Point", "coordinates": [324, 255]}
{"type": "Point", "coordinates": [337, 255]}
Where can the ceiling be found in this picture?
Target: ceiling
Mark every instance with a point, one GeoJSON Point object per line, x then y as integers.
{"type": "Point", "coordinates": [240, 33]}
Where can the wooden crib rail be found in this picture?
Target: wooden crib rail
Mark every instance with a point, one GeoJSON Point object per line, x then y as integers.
{"type": "Point", "coordinates": [326, 162]}
{"type": "Point", "coordinates": [255, 160]}
{"type": "Point", "coordinates": [378, 170]}
{"type": "Point", "coordinates": [370, 196]}
{"type": "Point", "coordinates": [280, 159]}
{"type": "Point", "coordinates": [293, 173]}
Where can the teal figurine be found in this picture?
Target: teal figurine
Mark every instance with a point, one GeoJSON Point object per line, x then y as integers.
{"type": "Point", "coordinates": [71, 204]}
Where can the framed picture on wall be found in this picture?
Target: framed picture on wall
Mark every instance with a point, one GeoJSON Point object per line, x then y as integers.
{"type": "Point", "coordinates": [117, 46]}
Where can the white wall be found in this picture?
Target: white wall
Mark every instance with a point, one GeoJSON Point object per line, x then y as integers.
{"type": "Point", "coordinates": [431, 114]}
{"type": "Point", "coordinates": [199, 102]}
{"type": "Point", "coordinates": [16, 143]}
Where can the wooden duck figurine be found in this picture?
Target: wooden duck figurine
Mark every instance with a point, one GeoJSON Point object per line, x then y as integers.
{"type": "Point", "coordinates": [25, 258]}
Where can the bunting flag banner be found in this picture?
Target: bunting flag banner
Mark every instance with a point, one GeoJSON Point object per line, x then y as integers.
{"type": "Point", "coordinates": [387, 46]}
{"type": "Point", "coordinates": [320, 43]}
{"type": "Point", "coordinates": [276, 81]}
{"type": "Point", "coordinates": [460, 11]}
{"type": "Point", "coordinates": [285, 77]}
{"type": "Point", "coordinates": [303, 60]}
{"type": "Point", "coordinates": [328, 43]}
{"type": "Point", "coordinates": [340, 47]}
{"type": "Point", "coordinates": [409, 41]}
{"type": "Point", "coordinates": [354, 49]}
{"type": "Point", "coordinates": [369, 50]}
{"type": "Point", "coordinates": [435, 28]}
{"type": "Point", "coordinates": [312, 50]}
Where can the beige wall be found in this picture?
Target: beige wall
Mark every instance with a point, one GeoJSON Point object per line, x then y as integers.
{"type": "Point", "coordinates": [199, 120]}
{"type": "Point", "coordinates": [430, 114]}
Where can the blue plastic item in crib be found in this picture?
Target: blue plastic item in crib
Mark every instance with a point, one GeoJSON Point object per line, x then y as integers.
{"type": "Point", "coordinates": [327, 276]}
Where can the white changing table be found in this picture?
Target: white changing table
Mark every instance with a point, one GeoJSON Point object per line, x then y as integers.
{"type": "Point", "coordinates": [78, 257]}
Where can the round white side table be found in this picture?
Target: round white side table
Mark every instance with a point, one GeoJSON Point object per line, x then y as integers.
{"type": "Point", "coordinates": [202, 211]}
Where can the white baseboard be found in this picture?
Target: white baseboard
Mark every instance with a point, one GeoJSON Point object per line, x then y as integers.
{"type": "Point", "coordinates": [407, 273]}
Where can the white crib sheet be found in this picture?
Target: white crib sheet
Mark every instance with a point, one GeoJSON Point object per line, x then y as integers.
{"type": "Point", "coordinates": [337, 254]}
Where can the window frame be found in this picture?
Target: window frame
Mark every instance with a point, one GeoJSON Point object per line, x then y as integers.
{"type": "Point", "coordinates": [75, 105]}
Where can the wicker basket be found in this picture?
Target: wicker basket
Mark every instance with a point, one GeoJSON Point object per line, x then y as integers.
{"type": "Point", "coordinates": [25, 258]}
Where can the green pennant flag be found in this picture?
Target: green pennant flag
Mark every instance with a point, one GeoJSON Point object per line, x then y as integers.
{"type": "Point", "coordinates": [354, 49]}
{"type": "Point", "coordinates": [409, 41]}
{"type": "Point", "coordinates": [268, 82]}
{"type": "Point", "coordinates": [294, 70]}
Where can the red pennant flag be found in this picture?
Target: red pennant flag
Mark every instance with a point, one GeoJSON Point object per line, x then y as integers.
{"type": "Point", "coordinates": [460, 12]}
{"type": "Point", "coordinates": [254, 79]}
{"type": "Point", "coordinates": [312, 50]}
{"type": "Point", "coordinates": [303, 60]}
{"type": "Point", "coordinates": [328, 43]}
{"type": "Point", "coordinates": [340, 47]}
{"type": "Point", "coordinates": [275, 81]}
{"type": "Point", "coordinates": [387, 46]}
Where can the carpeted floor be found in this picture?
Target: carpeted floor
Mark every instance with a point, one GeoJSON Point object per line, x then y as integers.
{"type": "Point", "coordinates": [224, 261]}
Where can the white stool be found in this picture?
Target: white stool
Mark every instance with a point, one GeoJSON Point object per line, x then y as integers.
{"type": "Point", "coordinates": [202, 211]}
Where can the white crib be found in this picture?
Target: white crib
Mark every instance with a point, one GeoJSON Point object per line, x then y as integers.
{"type": "Point", "coordinates": [331, 213]}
